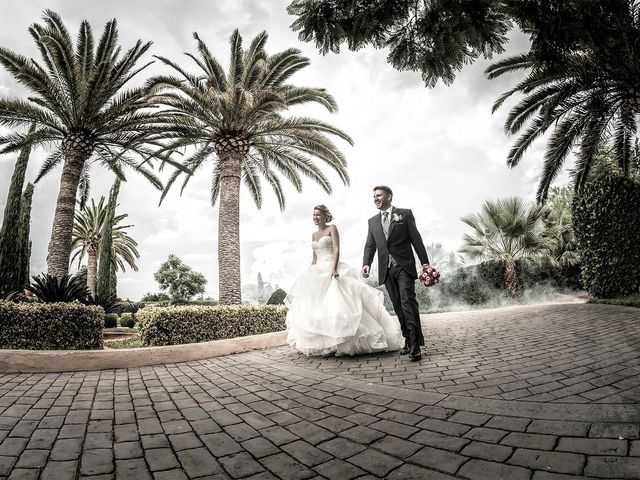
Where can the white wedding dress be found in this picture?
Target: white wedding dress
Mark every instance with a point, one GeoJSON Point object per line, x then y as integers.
{"type": "Point", "coordinates": [340, 315]}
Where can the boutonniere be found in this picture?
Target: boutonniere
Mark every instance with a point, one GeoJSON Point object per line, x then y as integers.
{"type": "Point", "coordinates": [397, 217]}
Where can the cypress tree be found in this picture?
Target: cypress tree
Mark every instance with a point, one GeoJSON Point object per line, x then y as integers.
{"type": "Point", "coordinates": [23, 235]}
{"type": "Point", "coordinates": [106, 287]}
{"type": "Point", "coordinates": [9, 241]}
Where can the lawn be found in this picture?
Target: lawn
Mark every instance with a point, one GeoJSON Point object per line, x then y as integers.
{"type": "Point", "coordinates": [632, 300]}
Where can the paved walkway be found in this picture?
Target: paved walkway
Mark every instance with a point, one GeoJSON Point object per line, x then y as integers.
{"type": "Point", "coordinates": [542, 393]}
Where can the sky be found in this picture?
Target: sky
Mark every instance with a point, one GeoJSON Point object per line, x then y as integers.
{"type": "Point", "coordinates": [440, 150]}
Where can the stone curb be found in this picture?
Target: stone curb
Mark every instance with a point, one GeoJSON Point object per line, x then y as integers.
{"type": "Point", "coordinates": [43, 361]}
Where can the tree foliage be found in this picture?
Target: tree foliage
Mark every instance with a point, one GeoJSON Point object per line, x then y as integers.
{"type": "Point", "coordinates": [562, 246]}
{"type": "Point", "coordinates": [179, 279]}
{"type": "Point", "coordinates": [582, 66]}
{"type": "Point", "coordinates": [11, 248]}
{"type": "Point", "coordinates": [236, 120]}
{"type": "Point", "coordinates": [435, 38]}
{"type": "Point", "coordinates": [608, 235]}
{"type": "Point", "coordinates": [106, 285]}
{"type": "Point", "coordinates": [24, 242]}
{"type": "Point", "coordinates": [87, 238]}
{"type": "Point", "coordinates": [79, 104]}
{"type": "Point", "coordinates": [505, 231]}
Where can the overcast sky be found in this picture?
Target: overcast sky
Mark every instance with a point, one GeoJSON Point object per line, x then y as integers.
{"type": "Point", "coordinates": [441, 150]}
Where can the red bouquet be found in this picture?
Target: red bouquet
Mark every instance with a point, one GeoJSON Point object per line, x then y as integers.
{"type": "Point", "coordinates": [429, 276]}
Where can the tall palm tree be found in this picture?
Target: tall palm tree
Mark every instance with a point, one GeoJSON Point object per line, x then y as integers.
{"type": "Point", "coordinates": [235, 119]}
{"type": "Point", "coordinates": [79, 105]}
{"type": "Point", "coordinates": [505, 231]}
{"type": "Point", "coordinates": [586, 96]}
{"type": "Point", "coordinates": [87, 234]}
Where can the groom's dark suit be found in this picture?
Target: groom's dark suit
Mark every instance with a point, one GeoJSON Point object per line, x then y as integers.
{"type": "Point", "coordinates": [397, 266]}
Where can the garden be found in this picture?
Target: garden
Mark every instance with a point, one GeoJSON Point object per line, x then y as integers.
{"type": "Point", "coordinates": [578, 239]}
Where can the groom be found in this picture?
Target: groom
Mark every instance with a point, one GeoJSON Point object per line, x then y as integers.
{"type": "Point", "coordinates": [391, 234]}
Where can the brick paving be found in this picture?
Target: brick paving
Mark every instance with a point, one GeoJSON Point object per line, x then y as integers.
{"type": "Point", "coordinates": [274, 414]}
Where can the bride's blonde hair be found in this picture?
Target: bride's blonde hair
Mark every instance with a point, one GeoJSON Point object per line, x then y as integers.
{"type": "Point", "coordinates": [325, 210]}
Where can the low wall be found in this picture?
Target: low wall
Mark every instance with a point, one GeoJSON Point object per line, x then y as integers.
{"type": "Point", "coordinates": [40, 361]}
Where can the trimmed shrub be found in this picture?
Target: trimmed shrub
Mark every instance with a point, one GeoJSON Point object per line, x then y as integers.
{"type": "Point", "coordinates": [50, 326]}
{"type": "Point", "coordinates": [608, 234]}
{"type": "Point", "coordinates": [277, 297]}
{"type": "Point", "coordinates": [193, 324]}
{"type": "Point", "coordinates": [110, 320]}
{"type": "Point", "coordinates": [127, 320]}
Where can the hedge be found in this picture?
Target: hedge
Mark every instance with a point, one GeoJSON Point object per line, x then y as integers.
{"type": "Point", "coordinates": [50, 326]}
{"type": "Point", "coordinates": [608, 234]}
{"type": "Point", "coordinates": [192, 324]}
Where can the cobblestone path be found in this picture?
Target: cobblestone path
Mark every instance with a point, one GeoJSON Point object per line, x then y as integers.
{"type": "Point", "coordinates": [531, 393]}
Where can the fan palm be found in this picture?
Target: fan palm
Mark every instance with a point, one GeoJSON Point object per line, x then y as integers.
{"type": "Point", "coordinates": [78, 104]}
{"type": "Point", "coordinates": [235, 119]}
{"type": "Point", "coordinates": [587, 97]}
{"type": "Point", "coordinates": [87, 234]}
{"type": "Point", "coordinates": [505, 231]}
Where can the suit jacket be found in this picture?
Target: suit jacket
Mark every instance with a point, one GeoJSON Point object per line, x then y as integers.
{"type": "Point", "coordinates": [403, 233]}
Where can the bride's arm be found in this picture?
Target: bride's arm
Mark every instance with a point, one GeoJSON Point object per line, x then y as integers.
{"type": "Point", "coordinates": [335, 240]}
{"type": "Point", "coordinates": [315, 258]}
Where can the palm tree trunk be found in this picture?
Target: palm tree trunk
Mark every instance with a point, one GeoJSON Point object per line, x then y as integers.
{"type": "Point", "coordinates": [60, 243]}
{"type": "Point", "coordinates": [92, 268]}
{"type": "Point", "coordinates": [511, 278]}
{"type": "Point", "coordinates": [229, 230]}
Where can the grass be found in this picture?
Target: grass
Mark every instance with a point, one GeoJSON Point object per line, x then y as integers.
{"type": "Point", "coordinates": [131, 342]}
{"type": "Point", "coordinates": [632, 300]}
{"type": "Point", "coordinates": [120, 330]}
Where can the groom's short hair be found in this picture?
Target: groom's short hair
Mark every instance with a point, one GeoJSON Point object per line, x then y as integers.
{"type": "Point", "coordinates": [383, 187]}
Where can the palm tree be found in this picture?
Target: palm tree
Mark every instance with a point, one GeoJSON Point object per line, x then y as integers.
{"type": "Point", "coordinates": [587, 95]}
{"type": "Point", "coordinates": [235, 119]}
{"type": "Point", "coordinates": [87, 234]}
{"type": "Point", "coordinates": [505, 231]}
{"type": "Point", "coordinates": [563, 248]}
{"type": "Point", "coordinates": [79, 105]}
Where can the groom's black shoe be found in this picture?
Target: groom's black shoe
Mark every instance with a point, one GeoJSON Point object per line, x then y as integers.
{"type": "Point", "coordinates": [405, 349]}
{"type": "Point", "coordinates": [415, 354]}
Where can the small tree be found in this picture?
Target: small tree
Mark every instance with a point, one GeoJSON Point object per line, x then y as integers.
{"type": "Point", "coordinates": [155, 297]}
{"type": "Point", "coordinates": [24, 243]}
{"type": "Point", "coordinates": [106, 287]}
{"type": "Point", "coordinates": [505, 231]}
{"type": "Point", "coordinates": [179, 279]}
{"type": "Point", "coordinates": [9, 237]}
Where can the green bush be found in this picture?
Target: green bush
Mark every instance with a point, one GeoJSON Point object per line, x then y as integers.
{"type": "Point", "coordinates": [50, 326]}
{"type": "Point", "coordinates": [277, 297]}
{"type": "Point", "coordinates": [110, 320]}
{"type": "Point", "coordinates": [193, 324]}
{"type": "Point", "coordinates": [127, 320]}
{"type": "Point", "coordinates": [608, 234]}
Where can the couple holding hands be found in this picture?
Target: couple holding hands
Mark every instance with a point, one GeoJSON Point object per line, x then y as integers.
{"type": "Point", "coordinates": [332, 311]}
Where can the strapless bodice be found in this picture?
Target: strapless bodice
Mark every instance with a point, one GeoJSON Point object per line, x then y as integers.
{"type": "Point", "coordinates": [323, 248]}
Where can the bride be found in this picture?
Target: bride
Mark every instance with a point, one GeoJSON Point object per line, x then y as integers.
{"type": "Point", "coordinates": [331, 310]}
